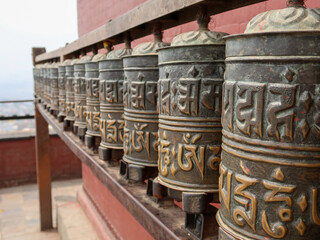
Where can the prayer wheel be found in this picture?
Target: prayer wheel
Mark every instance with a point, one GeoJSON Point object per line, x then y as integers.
{"type": "Point", "coordinates": [38, 81]}
{"type": "Point", "coordinates": [80, 124]}
{"type": "Point", "coordinates": [70, 116]}
{"type": "Point", "coordinates": [42, 84]}
{"type": "Point", "coordinates": [111, 103]}
{"type": "Point", "coordinates": [54, 89]}
{"type": "Point", "coordinates": [62, 89]}
{"type": "Point", "coordinates": [45, 71]}
{"type": "Point", "coordinates": [189, 104]}
{"type": "Point", "coordinates": [35, 80]}
{"type": "Point", "coordinates": [189, 91]}
{"type": "Point", "coordinates": [92, 101]}
{"type": "Point", "coordinates": [141, 76]}
{"type": "Point", "coordinates": [270, 169]}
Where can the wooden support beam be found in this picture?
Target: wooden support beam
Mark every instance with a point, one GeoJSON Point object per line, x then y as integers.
{"type": "Point", "coordinates": [43, 171]}
{"type": "Point", "coordinates": [35, 52]}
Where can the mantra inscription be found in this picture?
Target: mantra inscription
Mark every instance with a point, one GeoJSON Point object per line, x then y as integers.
{"type": "Point", "coordinates": [70, 104]}
{"type": "Point", "coordinates": [190, 132]}
{"type": "Point", "coordinates": [93, 106]}
{"type": "Point", "coordinates": [112, 116]}
{"type": "Point", "coordinates": [190, 103]}
{"type": "Point", "coordinates": [140, 140]}
{"type": "Point", "coordinates": [140, 94]}
{"type": "Point", "coordinates": [270, 125]}
{"type": "Point", "coordinates": [111, 99]}
{"type": "Point", "coordinates": [285, 107]}
{"type": "Point", "coordinates": [54, 89]}
{"type": "Point", "coordinates": [80, 101]}
{"type": "Point", "coordinates": [270, 160]}
{"type": "Point", "coordinates": [62, 91]}
{"type": "Point", "coordinates": [187, 156]}
{"type": "Point", "coordinates": [277, 209]}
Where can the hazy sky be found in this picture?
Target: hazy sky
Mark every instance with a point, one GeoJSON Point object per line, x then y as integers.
{"type": "Point", "coordinates": [25, 24]}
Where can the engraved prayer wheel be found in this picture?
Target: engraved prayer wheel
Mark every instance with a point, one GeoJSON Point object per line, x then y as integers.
{"type": "Point", "coordinates": [46, 78]}
{"type": "Point", "coordinates": [70, 116]}
{"type": "Point", "coordinates": [38, 81]}
{"type": "Point", "coordinates": [41, 79]}
{"type": "Point", "coordinates": [80, 123]}
{"type": "Point", "coordinates": [270, 169]}
{"type": "Point", "coordinates": [141, 75]}
{"type": "Point", "coordinates": [54, 89]}
{"type": "Point", "coordinates": [62, 89]}
{"type": "Point", "coordinates": [35, 71]}
{"type": "Point", "coordinates": [92, 98]}
{"type": "Point", "coordinates": [111, 101]}
{"type": "Point", "coordinates": [189, 92]}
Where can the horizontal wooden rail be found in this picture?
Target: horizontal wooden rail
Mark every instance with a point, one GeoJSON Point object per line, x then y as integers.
{"type": "Point", "coordinates": [139, 23]}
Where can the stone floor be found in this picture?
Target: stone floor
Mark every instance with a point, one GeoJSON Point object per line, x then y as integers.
{"type": "Point", "coordinates": [19, 210]}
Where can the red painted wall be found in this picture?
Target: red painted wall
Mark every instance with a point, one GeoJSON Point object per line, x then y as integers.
{"type": "Point", "coordinates": [122, 221]}
{"type": "Point", "coordinates": [94, 13]}
{"type": "Point", "coordinates": [18, 161]}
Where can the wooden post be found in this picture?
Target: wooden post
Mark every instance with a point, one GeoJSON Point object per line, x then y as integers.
{"type": "Point", "coordinates": [35, 52]}
{"type": "Point", "coordinates": [43, 170]}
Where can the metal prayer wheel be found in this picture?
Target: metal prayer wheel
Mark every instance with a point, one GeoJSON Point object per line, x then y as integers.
{"type": "Point", "coordinates": [35, 79]}
{"type": "Point", "coordinates": [41, 79]}
{"type": "Point", "coordinates": [111, 102]}
{"type": "Point", "coordinates": [80, 125]}
{"type": "Point", "coordinates": [46, 78]}
{"type": "Point", "coordinates": [270, 169]}
{"type": "Point", "coordinates": [62, 89]}
{"type": "Point", "coordinates": [70, 116]}
{"type": "Point", "coordinates": [54, 89]}
{"type": "Point", "coordinates": [44, 84]}
{"type": "Point", "coordinates": [141, 75]}
{"type": "Point", "coordinates": [38, 81]}
{"type": "Point", "coordinates": [92, 100]}
{"type": "Point", "coordinates": [189, 91]}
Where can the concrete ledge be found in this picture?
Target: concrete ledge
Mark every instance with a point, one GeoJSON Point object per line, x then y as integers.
{"type": "Point", "coordinates": [73, 223]}
{"type": "Point", "coordinates": [103, 228]}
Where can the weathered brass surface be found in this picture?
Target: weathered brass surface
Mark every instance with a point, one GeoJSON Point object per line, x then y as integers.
{"type": "Point", "coordinates": [45, 72]}
{"type": "Point", "coordinates": [141, 75]}
{"type": "Point", "coordinates": [41, 80]}
{"type": "Point", "coordinates": [92, 97]}
{"type": "Point", "coordinates": [70, 116]}
{"type": "Point", "coordinates": [190, 88]}
{"type": "Point", "coordinates": [54, 89]}
{"type": "Point", "coordinates": [111, 99]}
{"type": "Point", "coordinates": [80, 92]}
{"type": "Point", "coordinates": [36, 81]}
{"type": "Point", "coordinates": [62, 88]}
{"type": "Point", "coordinates": [270, 170]}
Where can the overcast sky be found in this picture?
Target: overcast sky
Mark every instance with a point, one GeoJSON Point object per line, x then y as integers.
{"type": "Point", "coordinates": [25, 24]}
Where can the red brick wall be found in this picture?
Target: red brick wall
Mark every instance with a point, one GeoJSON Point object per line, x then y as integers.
{"type": "Point", "coordinates": [18, 161]}
{"type": "Point", "coordinates": [94, 13]}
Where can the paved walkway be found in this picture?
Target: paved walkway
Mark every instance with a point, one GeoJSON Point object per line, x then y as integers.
{"type": "Point", "coordinates": [19, 210]}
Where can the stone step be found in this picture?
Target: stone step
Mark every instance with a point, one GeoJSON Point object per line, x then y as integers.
{"type": "Point", "coordinates": [72, 223]}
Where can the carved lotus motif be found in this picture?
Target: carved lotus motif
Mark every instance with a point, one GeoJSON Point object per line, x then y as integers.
{"type": "Point", "coordinates": [288, 19]}
{"type": "Point", "coordinates": [118, 54]}
{"type": "Point", "coordinates": [148, 48]}
{"type": "Point", "coordinates": [198, 37]}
